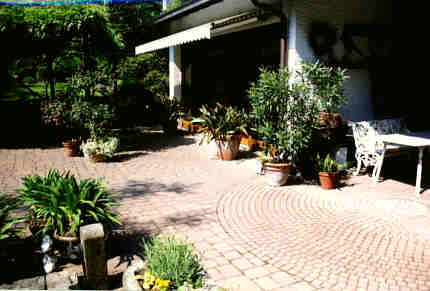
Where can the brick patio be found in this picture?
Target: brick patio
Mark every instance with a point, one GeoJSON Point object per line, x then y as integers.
{"type": "Point", "coordinates": [363, 236]}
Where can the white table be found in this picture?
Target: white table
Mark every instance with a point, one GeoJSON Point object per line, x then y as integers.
{"type": "Point", "coordinates": [418, 140]}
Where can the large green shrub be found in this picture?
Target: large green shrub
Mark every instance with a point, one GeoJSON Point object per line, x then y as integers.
{"type": "Point", "coordinates": [285, 114]}
{"type": "Point", "coordinates": [287, 108]}
{"type": "Point", "coordinates": [326, 84]}
{"type": "Point", "coordinates": [63, 204]}
{"type": "Point", "coordinates": [174, 260]}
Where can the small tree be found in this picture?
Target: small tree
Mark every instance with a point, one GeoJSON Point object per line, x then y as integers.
{"type": "Point", "coordinates": [326, 84]}
{"type": "Point", "coordinates": [287, 113]}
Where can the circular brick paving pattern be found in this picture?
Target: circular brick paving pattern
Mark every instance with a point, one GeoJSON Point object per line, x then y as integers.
{"type": "Point", "coordinates": [330, 239]}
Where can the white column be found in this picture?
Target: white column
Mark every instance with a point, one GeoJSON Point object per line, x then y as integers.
{"type": "Point", "coordinates": [164, 5]}
{"type": "Point", "coordinates": [175, 72]}
{"type": "Point", "coordinates": [292, 39]}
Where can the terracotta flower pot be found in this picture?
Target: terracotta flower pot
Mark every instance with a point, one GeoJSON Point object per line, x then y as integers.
{"type": "Point", "coordinates": [277, 173]}
{"type": "Point", "coordinates": [329, 180]}
{"type": "Point", "coordinates": [228, 150]}
{"type": "Point", "coordinates": [96, 158]}
{"type": "Point", "coordinates": [248, 141]}
{"type": "Point", "coordinates": [71, 147]}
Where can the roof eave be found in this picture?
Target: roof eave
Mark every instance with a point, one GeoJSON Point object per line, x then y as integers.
{"type": "Point", "coordinates": [185, 9]}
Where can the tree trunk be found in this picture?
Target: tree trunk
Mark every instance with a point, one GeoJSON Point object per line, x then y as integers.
{"type": "Point", "coordinates": [51, 77]}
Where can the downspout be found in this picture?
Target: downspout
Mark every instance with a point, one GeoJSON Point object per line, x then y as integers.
{"type": "Point", "coordinates": [284, 29]}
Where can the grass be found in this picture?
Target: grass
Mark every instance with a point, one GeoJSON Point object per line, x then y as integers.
{"type": "Point", "coordinates": [20, 93]}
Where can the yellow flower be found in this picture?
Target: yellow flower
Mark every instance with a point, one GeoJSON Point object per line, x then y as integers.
{"type": "Point", "coordinates": [161, 285]}
{"type": "Point", "coordinates": [149, 278]}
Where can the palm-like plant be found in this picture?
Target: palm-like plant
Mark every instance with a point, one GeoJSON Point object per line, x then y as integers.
{"type": "Point", "coordinates": [222, 122]}
{"type": "Point", "coordinates": [9, 222]}
{"type": "Point", "coordinates": [63, 203]}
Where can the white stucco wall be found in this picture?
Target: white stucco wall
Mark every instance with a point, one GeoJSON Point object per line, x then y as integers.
{"type": "Point", "coordinates": [358, 89]}
{"type": "Point", "coordinates": [338, 13]}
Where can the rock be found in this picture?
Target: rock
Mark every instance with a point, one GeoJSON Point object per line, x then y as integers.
{"type": "Point", "coordinates": [128, 280]}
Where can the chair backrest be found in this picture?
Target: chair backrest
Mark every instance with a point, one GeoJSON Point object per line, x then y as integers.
{"type": "Point", "coordinates": [366, 133]}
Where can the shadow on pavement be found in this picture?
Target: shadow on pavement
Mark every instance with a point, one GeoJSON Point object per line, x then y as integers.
{"type": "Point", "coordinates": [19, 259]}
{"type": "Point", "coordinates": [151, 139]}
{"type": "Point", "coordinates": [138, 188]}
{"type": "Point", "coordinates": [404, 169]}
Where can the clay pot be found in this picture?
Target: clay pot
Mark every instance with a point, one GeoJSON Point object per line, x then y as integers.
{"type": "Point", "coordinates": [66, 238]}
{"type": "Point", "coordinates": [329, 180]}
{"type": "Point", "coordinates": [228, 150]}
{"type": "Point", "coordinates": [277, 173]}
{"type": "Point", "coordinates": [96, 158]}
{"type": "Point", "coordinates": [248, 141]}
{"type": "Point", "coordinates": [71, 147]}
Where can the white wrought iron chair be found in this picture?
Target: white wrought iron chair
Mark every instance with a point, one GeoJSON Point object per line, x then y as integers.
{"type": "Point", "coordinates": [368, 145]}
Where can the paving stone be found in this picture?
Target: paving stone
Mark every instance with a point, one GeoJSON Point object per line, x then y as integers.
{"type": "Point", "coordinates": [364, 236]}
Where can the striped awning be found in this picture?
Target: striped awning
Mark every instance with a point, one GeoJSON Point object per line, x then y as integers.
{"type": "Point", "coordinates": [189, 35]}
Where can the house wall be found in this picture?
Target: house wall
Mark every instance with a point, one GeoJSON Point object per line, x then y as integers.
{"type": "Point", "coordinates": [337, 13]}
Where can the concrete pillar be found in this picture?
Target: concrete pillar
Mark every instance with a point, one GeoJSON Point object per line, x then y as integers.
{"type": "Point", "coordinates": [293, 58]}
{"type": "Point", "coordinates": [94, 256]}
{"type": "Point", "coordinates": [175, 72]}
{"type": "Point", "coordinates": [165, 5]}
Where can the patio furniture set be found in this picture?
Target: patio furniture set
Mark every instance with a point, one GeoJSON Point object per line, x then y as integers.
{"type": "Point", "coordinates": [377, 139]}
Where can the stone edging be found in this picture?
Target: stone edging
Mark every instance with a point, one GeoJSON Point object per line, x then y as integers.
{"type": "Point", "coordinates": [128, 280]}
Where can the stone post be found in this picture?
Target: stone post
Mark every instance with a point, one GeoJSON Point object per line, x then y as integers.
{"type": "Point", "coordinates": [94, 256]}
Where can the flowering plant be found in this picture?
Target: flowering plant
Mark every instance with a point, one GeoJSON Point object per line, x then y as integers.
{"type": "Point", "coordinates": [59, 113]}
{"type": "Point", "coordinates": [105, 148]}
{"type": "Point", "coordinates": [96, 118]}
{"type": "Point", "coordinates": [150, 282]}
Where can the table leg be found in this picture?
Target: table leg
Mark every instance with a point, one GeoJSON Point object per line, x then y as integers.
{"type": "Point", "coordinates": [379, 164]}
{"type": "Point", "coordinates": [419, 172]}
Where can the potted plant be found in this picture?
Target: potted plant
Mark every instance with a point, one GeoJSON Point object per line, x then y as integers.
{"type": "Point", "coordinates": [172, 111]}
{"type": "Point", "coordinates": [328, 172]}
{"type": "Point", "coordinates": [10, 230]}
{"type": "Point", "coordinates": [100, 150]}
{"type": "Point", "coordinates": [170, 264]}
{"type": "Point", "coordinates": [8, 221]}
{"type": "Point", "coordinates": [285, 119]}
{"type": "Point", "coordinates": [223, 124]}
{"type": "Point", "coordinates": [327, 88]}
{"type": "Point", "coordinates": [101, 145]}
{"type": "Point", "coordinates": [60, 114]}
{"type": "Point", "coordinates": [63, 204]}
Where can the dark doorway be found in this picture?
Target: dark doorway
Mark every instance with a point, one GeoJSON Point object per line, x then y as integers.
{"type": "Point", "coordinates": [221, 69]}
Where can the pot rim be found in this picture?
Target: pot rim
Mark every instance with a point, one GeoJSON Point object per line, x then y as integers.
{"type": "Point", "coordinates": [277, 165]}
{"type": "Point", "coordinates": [66, 238]}
{"type": "Point", "coordinates": [328, 173]}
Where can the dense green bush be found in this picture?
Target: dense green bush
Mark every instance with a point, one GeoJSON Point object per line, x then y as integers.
{"type": "Point", "coordinates": [326, 84]}
{"type": "Point", "coordinates": [287, 108]}
{"type": "Point", "coordinates": [63, 204]}
{"type": "Point", "coordinates": [174, 260]}
{"type": "Point", "coordinates": [286, 114]}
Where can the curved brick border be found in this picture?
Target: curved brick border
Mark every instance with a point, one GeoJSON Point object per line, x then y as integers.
{"type": "Point", "coordinates": [330, 240]}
